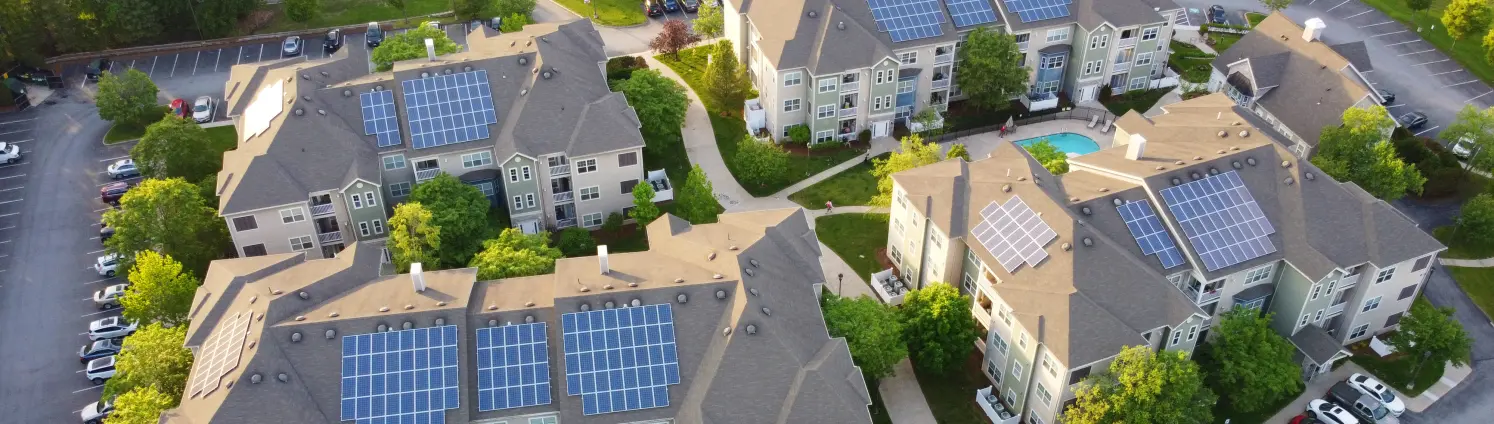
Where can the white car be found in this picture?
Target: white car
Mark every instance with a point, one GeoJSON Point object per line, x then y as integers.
{"type": "Point", "coordinates": [1463, 148]}
{"type": "Point", "coordinates": [123, 168]}
{"type": "Point", "coordinates": [9, 153]}
{"type": "Point", "coordinates": [106, 265]}
{"type": "Point", "coordinates": [1330, 412]}
{"type": "Point", "coordinates": [291, 47]}
{"type": "Point", "coordinates": [110, 328]}
{"type": "Point", "coordinates": [96, 412]}
{"type": "Point", "coordinates": [202, 109]}
{"type": "Point", "coordinates": [109, 296]}
{"type": "Point", "coordinates": [1370, 386]}
{"type": "Point", "coordinates": [100, 369]}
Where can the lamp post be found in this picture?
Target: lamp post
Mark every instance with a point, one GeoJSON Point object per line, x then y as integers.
{"type": "Point", "coordinates": [841, 284]}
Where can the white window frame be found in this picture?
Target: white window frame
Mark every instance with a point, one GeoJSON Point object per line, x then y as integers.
{"type": "Point", "coordinates": [824, 136]}
{"type": "Point", "coordinates": [1192, 332]}
{"type": "Point", "coordinates": [1358, 331]}
{"type": "Point", "coordinates": [1318, 317]}
{"type": "Point", "coordinates": [792, 105]}
{"type": "Point", "coordinates": [1302, 322]}
{"type": "Point", "coordinates": [967, 281]}
{"type": "Point", "coordinates": [1017, 370]}
{"type": "Point", "coordinates": [529, 201]}
{"type": "Point", "coordinates": [826, 85]}
{"type": "Point", "coordinates": [1044, 395]}
{"type": "Point", "coordinates": [887, 101]}
{"type": "Point", "coordinates": [378, 226]}
{"type": "Point", "coordinates": [292, 215]}
{"type": "Point", "coordinates": [794, 78]}
{"type": "Point", "coordinates": [1150, 33]}
{"type": "Point", "coordinates": [1099, 41]}
{"type": "Point", "coordinates": [1058, 34]}
{"type": "Point", "coordinates": [824, 111]}
{"type": "Point", "coordinates": [363, 228]}
{"type": "Point", "coordinates": [1050, 365]}
{"type": "Point", "coordinates": [473, 160]}
{"type": "Point", "coordinates": [1384, 275]}
{"type": "Point", "coordinates": [297, 246]}
{"type": "Point", "coordinates": [585, 166]}
{"type": "Point", "coordinates": [369, 200]}
{"type": "Point", "coordinates": [513, 175]}
{"type": "Point", "coordinates": [1033, 418]}
{"type": "Point", "coordinates": [543, 420]}
{"type": "Point", "coordinates": [357, 201]}
{"type": "Point", "coordinates": [1316, 290]}
{"type": "Point", "coordinates": [1000, 343]}
{"type": "Point", "coordinates": [518, 202]}
{"type": "Point", "coordinates": [1370, 304]}
{"type": "Point", "coordinates": [1259, 274]}
{"type": "Point", "coordinates": [1177, 337]}
{"type": "Point", "coordinates": [1138, 83]}
{"type": "Point", "coordinates": [594, 193]}
{"type": "Point", "coordinates": [1144, 59]}
{"type": "Point", "coordinates": [393, 162]}
{"type": "Point", "coordinates": [591, 219]}
{"type": "Point", "coordinates": [526, 172]}
{"type": "Point", "coordinates": [1021, 339]}
{"type": "Point", "coordinates": [876, 103]}
{"type": "Point", "coordinates": [1052, 62]}
{"type": "Point", "coordinates": [908, 58]}
{"type": "Point", "coordinates": [399, 189]}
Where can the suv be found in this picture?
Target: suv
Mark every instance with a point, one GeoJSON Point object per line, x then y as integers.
{"type": "Point", "coordinates": [1327, 412]}
{"type": "Point", "coordinates": [332, 42]}
{"type": "Point", "coordinates": [123, 168]}
{"type": "Point", "coordinates": [1364, 406]}
{"type": "Point", "coordinates": [691, 6]}
{"type": "Point", "coordinates": [96, 68]}
{"type": "Point", "coordinates": [110, 328]}
{"type": "Point", "coordinates": [374, 36]}
{"type": "Point", "coordinates": [653, 8]}
{"type": "Point", "coordinates": [100, 369]}
{"type": "Point", "coordinates": [96, 412]}
{"type": "Point", "coordinates": [98, 349]}
{"type": "Point", "coordinates": [9, 153]}
{"type": "Point", "coordinates": [1377, 390]}
{"type": "Point", "coordinates": [106, 265]}
{"type": "Point", "coordinates": [109, 296]}
{"type": "Point", "coordinates": [110, 193]}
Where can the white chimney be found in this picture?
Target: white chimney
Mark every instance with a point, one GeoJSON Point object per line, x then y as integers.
{"type": "Point", "coordinates": [430, 49]}
{"type": "Point", "coordinates": [1313, 29]}
{"type": "Point", "coordinates": [1136, 147]}
{"type": "Point", "coordinates": [416, 277]}
{"type": "Point", "coordinates": [602, 258]}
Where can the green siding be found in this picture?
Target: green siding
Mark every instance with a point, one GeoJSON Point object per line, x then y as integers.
{"type": "Point", "coordinates": [888, 88]}
{"type": "Point", "coordinates": [1287, 303]}
{"type": "Point", "coordinates": [521, 188]}
{"type": "Point", "coordinates": [817, 99]}
{"type": "Point", "coordinates": [367, 213]}
{"type": "Point", "coordinates": [1144, 46]}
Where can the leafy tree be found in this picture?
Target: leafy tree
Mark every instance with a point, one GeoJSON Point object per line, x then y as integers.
{"type": "Point", "coordinates": [1359, 151]}
{"type": "Point", "coordinates": [411, 45]}
{"type": "Point", "coordinates": [1142, 386]}
{"type": "Point", "coordinates": [912, 153]}
{"type": "Point", "coordinates": [413, 238]}
{"type": "Point", "coordinates": [160, 290]}
{"type": "Point", "coordinates": [1476, 220]}
{"type": "Point", "coordinates": [798, 134]}
{"type": "Point", "coordinates": [514, 7]}
{"type": "Point", "coordinates": [515, 254]}
{"type": "Point", "coordinates": [1431, 335]}
{"type": "Point", "coordinates": [1418, 5]}
{"type": "Point", "coordinates": [726, 82]}
{"type": "Point", "coordinates": [873, 331]}
{"type": "Point", "coordinates": [695, 200]}
{"type": "Point", "coordinates": [709, 21]}
{"type": "Point", "coordinates": [759, 163]}
{"type": "Point", "coordinates": [1489, 46]}
{"type": "Point", "coordinates": [659, 101]}
{"type": "Point", "coordinates": [675, 36]}
{"type": "Point", "coordinates": [1463, 17]}
{"type": "Point", "coordinates": [576, 241]}
{"type": "Point", "coordinates": [129, 99]}
{"type": "Point", "coordinates": [220, 18]}
{"type": "Point", "coordinates": [957, 150]}
{"type": "Point", "coordinates": [1475, 125]}
{"type": "Point", "coordinates": [991, 71]}
{"type": "Point", "coordinates": [614, 222]}
{"type": "Point", "coordinates": [153, 357]}
{"type": "Point", "coordinates": [1052, 159]}
{"type": "Point", "coordinates": [141, 405]}
{"type": "Point", "coordinates": [23, 38]}
{"type": "Point", "coordinates": [168, 217]}
{"type": "Point", "coordinates": [938, 327]}
{"type": "Point", "coordinates": [303, 10]}
{"type": "Point", "coordinates": [513, 23]}
{"type": "Point", "coordinates": [176, 147]}
{"type": "Point", "coordinates": [644, 210]}
{"type": "Point", "coordinates": [1255, 363]}
{"type": "Point", "coordinates": [72, 25]}
{"type": "Point", "coordinates": [461, 211]}
{"type": "Point", "coordinates": [1276, 5]}
{"type": "Point", "coordinates": [132, 21]}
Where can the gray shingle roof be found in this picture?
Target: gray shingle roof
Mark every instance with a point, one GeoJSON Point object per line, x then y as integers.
{"type": "Point", "coordinates": [1316, 343]}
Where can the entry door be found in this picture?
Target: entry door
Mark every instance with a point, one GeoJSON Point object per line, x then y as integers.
{"type": "Point", "coordinates": [881, 129]}
{"type": "Point", "coordinates": [1087, 94]}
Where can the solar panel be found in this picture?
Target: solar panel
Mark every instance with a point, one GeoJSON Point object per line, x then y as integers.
{"type": "Point", "coordinates": [220, 354]}
{"type": "Point", "coordinates": [1038, 10]}
{"type": "Point", "coordinates": [379, 117]}
{"type": "Point", "coordinates": [1221, 219]}
{"type": "Point", "coordinates": [620, 359]}
{"type": "Point", "coordinates": [905, 20]}
{"type": "Point", "coordinates": [449, 108]}
{"type": "Point", "coordinates": [970, 12]}
{"type": "Point", "coordinates": [1014, 233]}
{"type": "Point", "coordinates": [407, 376]}
{"type": "Point", "coordinates": [1149, 233]}
{"type": "Point", "coordinates": [513, 367]}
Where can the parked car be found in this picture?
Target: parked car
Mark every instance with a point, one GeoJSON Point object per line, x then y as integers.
{"type": "Point", "coordinates": [1463, 148]}
{"type": "Point", "coordinates": [374, 36]}
{"type": "Point", "coordinates": [111, 327]}
{"type": "Point", "coordinates": [1303, 418]}
{"type": "Point", "coordinates": [202, 109]}
{"type": "Point", "coordinates": [32, 75]}
{"type": "Point", "coordinates": [10, 153]}
{"type": "Point", "coordinates": [100, 370]}
{"type": "Point", "coordinates": [123, 168]}
{"type": "Point", "coordinates": [291, 46]}
{"type": "Point", "coordinates": [105, 233]}
{"type": "Point", "coordinates": [106, 265]}
{"type": "Point", "coordinates": [109, 296]}
{"type": "Point", "coordinates": [332, 42]}
{"type": "Point", "coordinates": [98, 349]}
{"type": "Point", "coordinates": [1366, 407]}
{"type": "Point", "coordinates": [1216, 14]}
{"type": "Point", "coordinates": [1379, 391]}
{"type": "Point", "coordinates": [96, 412]}
{"type": "Point", "coordinates": [179, 108]}
{"type": "Point", "coordinates": [1386, 97]}
{"type": "Point", "coordinates": [653, 9]}
{"type": "Point", "coordinates": [1413, 120]}
{"type": "Point", "coordinates": [671, 6]}
{"type": "Point", "coordinates": [1330, 413]}
{"type": "Point", "coordinates": [97, 68]}
{"type": "Point", "coordinates": [690, 5]}
{"type": "Point", "coordinates": [110, 193]}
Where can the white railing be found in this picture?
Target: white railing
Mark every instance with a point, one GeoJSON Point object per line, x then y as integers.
{"type": "Point", "coordinates": [1206, 297]}
{"type": "Point", "coordinates": [564, 196]}
{"type": "Point", "coordinates": [941, 83]}
{"type": "Point", "coordinates": [1022, 46]}
{"type": "Point", "coordinates": [331, 237]}
{"type": "Point", "coordinates": [943, 58]}
{"type": "Point", "coordinates": [993, 408]}
{"type": "Point", "coordinates": [426, 174]}
{"type": "Point", "coordinates": [847, 87]}
{"type": "Point", "coordinates": [1126, 42]}
{"type": "Point", "coordinates": [1336, 309]}
{"type": "Point", "coordinates": [565, 223]}
{"type": "Point", "coordinates": [560, 170]}
{"type": "Point", "coordinates": [322, 209]}
{"type": "Point", "coordinates": [1040, 101]}
{"type": "Point", "coordinates": [848, 111]}
{"type": "Point", "coordinates": [1348, 281]}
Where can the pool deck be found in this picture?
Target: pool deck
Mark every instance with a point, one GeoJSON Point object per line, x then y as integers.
{"type": "Point", "coordinates": [980, 145]}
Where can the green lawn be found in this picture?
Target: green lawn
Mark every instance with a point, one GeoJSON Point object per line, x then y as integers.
{"type": "Point", "coordinates": [121, 132]}
{"type": "Point", "coordinates": [1477, 282]}
{"type": "Point", "coordinates": [1190, 62]}
{"type": "Point", "coordinates": [1223, 40]}
{"type": "Point", "coordinates": [856, 238]}
{"type": "Point", "coordinates": [952, 396]}
{"type": "Point", "coordinates": [353, 12]}
{"type": "Point", "coordinates": [1255, 18]}
{"type": "Point", "coordinates": [668, 152]}
{"type": "Point", "coordinates": [1396, 369]}
{"type": "Point", "coordinates": [1223, 409]}
{"type": "Point", "coordinates": [1139, 101]}
{"type": "Point", "coordinates": [609, 12]}
{"type": "Point", "coordinates": [1469, 51]}
{"type": "Point", "coordinates": [1461, 249]}
{"type": "Point", "coordinates": [224, 137]}
{"type": "Point", "coordinates": [853, 187]}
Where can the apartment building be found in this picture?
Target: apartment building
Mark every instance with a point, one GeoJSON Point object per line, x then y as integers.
{"type": "Point", "coordinates": [716, 323]}
{"type": "Point", "coordinates": [841, 66]}
{"type": "Point", "coordinates": [1190, 214]}
{"type": "Point", "coordinates": [326, 148]}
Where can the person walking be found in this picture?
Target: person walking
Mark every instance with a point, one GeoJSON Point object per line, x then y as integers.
{"type": "Point", "coordinates": [829, 207]}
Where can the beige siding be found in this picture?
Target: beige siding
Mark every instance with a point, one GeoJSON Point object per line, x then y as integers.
{"type": "Point", "coordinates": [606, 179]}
{"type": "Point", "coordinates": [272, 232]}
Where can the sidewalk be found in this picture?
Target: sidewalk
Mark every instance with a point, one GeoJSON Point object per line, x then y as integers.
{"type": "Point", "coordinates": [1467, 263]}
{"type": "Point", "coordinates": [904, 399]}
{"type": "Point", "coordinates": [700, 146]}
{"type": "Point", "coordinates": [1450, 379]}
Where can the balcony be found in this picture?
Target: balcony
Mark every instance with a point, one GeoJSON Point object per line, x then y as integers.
{"type": "Point", "coordinates": [847, 112]}
{"type": "Point", "coordinates": [850, 86]}
{"type": "Point", "coordinates": [993, 409]}
{"type": "Point", "coordinates": [426, 174]}
{"type": "Point", "coordinates": [1126, 42]}
{"type": "Point", "coordinates": [940, 81]}
{"type": "Point", "coordinates": [1348, 282]}
{"type": "Point", "coordinates": [943, 58]}
{"type": "Point", "coordinates": [982, 313]}
{"type": "Point", "coordinates": [1334, 310]}
{"type": "Point", "coordinates": [1040, 101]}
{"type": "Point", "coordinates": [560, 170]}
{"type": "Point", "coordinates": [565, 223]}
{"type": "Point", "coordinates": [331, 237]}
{"type": "Point", "coordinates": [1209, 295]}
{"type": "Point", "coordinates": [564, 197]}
{"type": "Point", "coordinates": [322, 209]}
{"type": "Point", "coordinates": [1022, 45]}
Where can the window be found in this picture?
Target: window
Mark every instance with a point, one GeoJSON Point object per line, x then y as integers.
{"type": "Point", "coordinates": [1017, 370]}
{"type": "Point", "coordinates": [905, 87]}
{"type": "Point", "coordinates": [1256, 304]}
{"type": "Point", "coordinates": [1258, 275]}
{"type": "Point", "coordinates": [1033, 418]}
{"type": "Point", "coordinates": [970, 256]}
{"type": "Point", "coordinates": [1022, 340]}
{"type": "Point", "coordinates": [887, 101]}
{"type": "Point", "coordinates": [1005, 317]}
{"type": "Point", "coordinates": [363, 229]}
{"type": "Point", "coordinates": [824, 111]}
{"type": "Point", "coordinates": [357, 201]}
{"type": "Point", "coordinates": [527, 175]}
{"type": "Point", "coordinates": [399, 189]}
{"type": "Point", "coordinates": [1143, 59]}
{"type": "Point", "coordinates": [884, 77]}
{"type": "Point", "coordinates": [1149, 33]}
{"type": "Point", "coordinates": [999, 342]}
{"type": "Point", "coordinates": [876, 103]}
{"type": "Point", "coordinates": [786, 131]}
{"type": "Point", "coordinates": [968, 282]}
{"type": "Point", "coordinates": [627, 159]}
{"type": "Point", "coordinates": [473, 160]}
{"type": "Point", "coordinates": [292, 215]}
{"type": "Point", "coordinates": [394, 162]}
{"type": "Point", "coordinates": [1384, 275]}
{"type": "Point", "coordinates": [627, 186]}
{"type": "Point", "coordinates": [1421, 263]}
{"type": "Point", "coordinates": [793, 78]}
{"type": "Point", "coordinates": [1303, 321]}
{"type": "Point", "coordinates": [936, 239]}
{"type": "Point", "coordinates": [1099, 41]}
{"type": "Point", "coordinates": [368, 197]}
{"type": "Point", "coordinates": [518, 202]}
{"type": "Point", "coordinates": [1011, 396]}
{"type": "Point", "coordinates": [826, 85]}
{"type": "Point", "coordinates": [1393, 320]}
{"type": "Point", "coordinates": [1370, 305]}
{"type": "Point", "coordinates": [378, 226]}
{"type": "Point", "coordinates": [1048, 364]}
{"type": "Point", "coordinates": [1044, 395]}
{"type": "Point", "coordinates": [1022, 40]}
{"type": "Point", "coordinates": [1318, 317]}
{"type": "Point", "coordinates": [591, 219]}
{"type": "Point", "coordinates": [1359, 331]}
{"type": "Point", "coordinates": [1177, 279]}
{"type": "Point", "coordinates": [254, 250]}
{"type": "Point", "coordinates": [908, 58]}
{"type": "Point", "coordinates": [1138, 83]}
{"type": "Point", "coordinates": [1056, 35]}
{"type": "Point", "coordinates": [529, 200]}
{"type": "Point", "coordinates": [542, 420]}
{"type": "Point", "coordinates": [513, 175]}
{"type": "Point", "coordinates": [1052, 62]}
{"type": "Point", "coordinates": [300, 243]}
{"type": "Point", "coordinates": [1177, 336]}
{"type": "Point", "coordinates": [245, 223]}
{"type": "Point", "coordinates": [1078, 375]}
{"type": "Point", "coordinates": [1192, 332]}
{"type": "Point", "coordinates": [1407, 292]}
{"type": "Point", "coordinates": [791, 105]}
{"type": "Point", "coordinates": [823, 136]}
{"type": "Point", "coordinates": [1093, 67]}
{"type": "Point", "coordinates": [1316, 288]}
{"type": "Point", "coordinates": [590, 193]}
{"type": "Point", "coordinates": [584, 166]}
{"type": "Point", "coordinates": [993, 371]}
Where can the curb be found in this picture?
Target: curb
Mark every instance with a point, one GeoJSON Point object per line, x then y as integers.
{"type": "Point", "coordinates": [594, 22]}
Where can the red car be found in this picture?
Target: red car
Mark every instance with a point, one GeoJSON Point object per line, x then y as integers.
{"type": "Point", "coordinates": [179, 108]}
{"type": "Point", "coordinates": [112, 192]}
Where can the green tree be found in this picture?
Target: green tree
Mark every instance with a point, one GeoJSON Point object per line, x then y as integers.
{"type": "Point", "coordinates": [1142, 386]}
{"type": "Point", "coordinates": [470, 9]}
{"type": "Point", "coordinates": [1047, 154]}
{"type": "Point", "coordinates": [759, 163]}
{"type": "Point", "coordinates": [673, 37]}
{"type": "Point", "coordinates": [1276, 5]}
{"type": "Point", "coordinates": [132, 21]}
{"type": "Point", "coordinates": [957, 150]}
{"type": "Point", "coordinates": [938, 327]}
{"type": "Point", "coordinates": [153, 357]}
{"type": "Point", "coordinates": [1430, 335]}
{"type": "Point", "coordinates": [514, 7]}
{"type": "Point", "coordinates": [991, 71]}
{"type": "Point", "coordinates": [644, 210]}
{"type": "Point", "coordinates": [1418, 5]}
{"type": "Point", "coordinates": [872, 329]}
{"type": "Point", "coordinates": [659, 102]}
{"type": "Point", "coordinates": [1489, 46]}
{"type": "Point", "coordinates": [141, 405]}
{"type": "Point", "coordinates": [929, 122]}
{"type": "Point", "coordinates": [1463, 17]}
{"type": "Point", "coordinates": [614, 222]}
{"type": "Point", "coordinates": [515, 254]}
{"type": "Point", "coordinates": [168, 217]}
{"type": "Point", "coordinates": [461, 211]}
{"type": "Point", "coordinates": [411, 45]}
{"type": "Point", "coordinates": [176, 147]}
{"type": "Point", "coordinates": [798, 134]}
{"type": "Point", "coordinates": [1476, 219]}
{"type": "Point", "coordinates": [129, 99]}
{"type": "Point", "coordinates": [576, 241]}
{"type": "Point", "coordinates": [695, 200]}
{"type": "Point", "coordinates": [1255, 363]}
{"type": "Point", "coordinates": [513, 23]}
{"type": "Point", "coordinates": [72, 25]}
{"type": "Point", "coordinates": [726, 82]}
{"type": "Point", "coordinates": [220, 18]}
{"type": "Point", "coordinates": [1477, 126]}
{"type": "Point", "coordinates": [709, 21]}
{"type": "Point", "coordinates": [413, 238]}
{"type": "Point", "coordinates": [911, 153]}
{"type": "Point", "coordinates": [22, 41]}
{"type": "Point", "coordinates": [160, 290]}
{"type": "Point", "coordinates": [1360, 151]}
{"type": "Point", "coordinates": [302, 10]}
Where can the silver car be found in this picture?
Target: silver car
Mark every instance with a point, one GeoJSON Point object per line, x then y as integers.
{"type": "Point", "coordinates": [202, 109]}
{"type": "Point", "coordinates": [123, 168]}
{"type": "Point", "coordinates": [292, 46]}
{"type": "Point", "coordinates": [110, 328]}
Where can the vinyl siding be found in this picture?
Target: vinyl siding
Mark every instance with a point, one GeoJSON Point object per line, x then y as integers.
{"type": "Point", "coordinates": [522, 187]}
{"type": "Point", "coordinates": [607, 179]}
{"type": "Point", "coordinates": [272, 232]}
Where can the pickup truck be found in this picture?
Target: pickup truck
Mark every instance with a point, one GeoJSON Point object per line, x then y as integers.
{"type": "Point", "coordinates": [1366, 407]}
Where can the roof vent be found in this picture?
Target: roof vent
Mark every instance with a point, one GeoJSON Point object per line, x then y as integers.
{"type": "Point", "coordinates": [751, 329]}
{"type": "Point", "coordinates": [1179, 163]}
{"type": "Point", "coordinates": [840, 25]}
{"type": "Point", "coordinates": [767, 311]}
{"type": "Point", "coordinates": [636, 302]}
{"type": "Point", "coordinates": [546, 74]}
{"type": "Point", "coordinates": [446, 71]}
{"type": "Point", "coordinates": [1223, 134]}
{"type": "Point", "coordinates": [732, 247]}
{"type": "Point", "coordinates": [711, 257]}
{"type": "Point", "coordinates": [523, 92]}
{"type": "Point", "coordinates": [752, 291]}
{"type": "Point", "coordinates": [296, 337]}
{"type": "Point", "coordinates": [300, 317]}
{"type": "Point", "coordinates": [720, 294]}
{"type": "Point", "coordinates": [332, 314]}
{"type": "Point", "coordinates": [753, 262]}
{"type": "Point", "coordinates": [383, 328]}
{"type": "Point", "coordinates": [492, 307]}
{"type": "Point", "coordinates": [749, 272]}
{"type": "Point", "coordinates": [409, 306]}
{"type": "Point", "coordinates": [276, 291]}
{"type": "Point", "coordinates": [300, 112]}
{"type": "Point", "coordinates": [1066, 247]}
{"type": "Point", "coordinates": [322, 112]}
{"type": "Point", "coordinates": [1221, 151]}
{"type": "Point", "coordinates": [1250, 161]}
{"type": "Point", "coordinates": [1006, 188]}
{"type": "Point", "coordinates": [1177, 181]}
{"type": "Point", "coordinates": [492, 323]}
{"type": "Point", "coordinates": [1074, 199]}
{"type": "Point", "coordinates": [1117, 201]}
{"type": "Point", "coordinates": [282, 377]}
{"type": "Point", "coordinates": [681, 298]}
{"type": "Point", "coordinates": [229, 384]}
{"type": "Point", "coordinates": [1234, 147]}
{"type": "Point", "coordinates": [1286, 164]}
{"type": "Point", "coordinates": [331, 334]}
{"type": "Point", "coordinates": [1022, 178]}
{"type": "Point", "coordinates": [727, 331]}
{"type": "Point", "coordinates": [306, 98]}
{"type": "Point", "coordinates": [253, 298]}
{"type": "Point", "coordinates": [813, 14]}
{"type": "Point", "coordinates": [544, 39]}
{"type": "Point", "coordinates": [585, 289]}
{"type": "Point", "coordinates": [1194, 176]}
{"type": "Point", "coordinates": [1244, 133]}
{"type": "Point", "coordinates": [407, 325]}
{"type": "Point", "coordinates": [347, 93]}
{"type": "Point", "coordinates": [1289, 180]}
{"type": "Point", "coordinates": [716, 276]}
{"type": "Point", "coordinates": [528, 43]}
{"type": "Point", "coordinates": [324, 73]}
{"type": "Point", "coordinates": [425, 74]}
{"type": "Point", "coordinates": [607, 287]}
{"type": "Point", "coordinates": [585, 307]}
{"type": "Point", "coordinates": [523, 61]}
{"type": "Point", "coordinates": [467, 68]}
{"type": "Point", "coordinates": [1087, 242]}
{"type": "Point", "coordinates": [1085, 210]}
{"type": "Point", "coordinates": [1236, 164]}
{"type": "Point", "coordinates": [379, 87]}
{"type": "Point", "coordinates": [383, 309]}
{"type": "Point", "coordinates": [1160, 167]}
{"type": "Point", "coordinates": [1309, 176]}
{"type": "Point", "coordinates": [306, 77]}
{"type": "Point", "coordinates": [440, 321]}
{"type": "Point", "coordinates": [1213, 171]}
{"type": "Point", "coordinates": [528, 319]}
{"type": "Point", "coordinates": [608, 305]}
{"type": "Point", "coordinates": [679, 280]}
{"type": "Point", "coordinates": [1198, 158]}
{"type": "Point", "coordinates": [529, 303]}
{"type": "Point", "coordinates": [303, 295]}
{"type": "Point", "coordinates": [255, 378]}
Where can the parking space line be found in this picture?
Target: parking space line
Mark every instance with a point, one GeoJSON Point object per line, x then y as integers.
{"type": "Point", "coordinates": [1357, 14]}
{"type": "Point", "coordinates": [98, 281]}
{"type": "Point", "coordinates": [239, 58]}
{"type": "Point", "coordinates": [132, 63]}
{"type": "Point", "coordinates": [1378, 24]}
{"type": "Point", "coordinates": [1476, 97]}
{"type": "Point", "coordinates": [218, 60]}
{"type": "Point", "coordinates": [1393, 33]}
{"type": "Point", "coordinates": [1448, 72]}
{"type": "Point", "coordinates": [12, 176]}
{"type": "Point", "coordinates": [8, 228]}
{"type": "Point", "coordinates": [261, 53]}
{"type": "Point", "coordinates": [153, 66]}
{"type": "Point", "coordinates": [194, 62]}
{"type": "Point", "coordinates": [95, 252]}
{"type": "Point", "coordinates": [9, 214]}
{"type": "Point", "coordinates": [1417, 52]}
{"type": "Point", "coordinates": [1394, 106]}
{"type": "Point", "coordinates": [174, 59]}
{"type": "Point", "coordinates": [1435, 61]}
{"type": "Point", "coordinates": [14, 164]}
{"type": "Point", "coordinates": [90, 388]}
{"type": "Point", "coordinates": [1458, 84]}
{"type": "Point", "coordinates": [115, 159]}
{"type": "Point", "coordinates": [17, 121]}
{"type": "Point", "coordinates": [1428, 130]}
{"type": "Point", "coordinates": [12, 188]}
{"type": "Point", "coordinates": [19, 141]}
{"type": "Point", "coordinates": [11, 201]}
{"type": "Point", "coordinates": [121, 180]}
{"type": "Point", "coordinates": [15, 132]}
{"type": "Point", "coordinates": [101, 210]}
{"type": "Point", "coordinates": [1336, 6]}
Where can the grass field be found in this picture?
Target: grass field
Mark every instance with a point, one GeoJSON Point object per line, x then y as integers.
{"type": "Point", "coordinates": [853, 187]}
{"type": "Point", "coordinates": [855, 237]}
{"type": "Point", "coordinates": [1139, 101]}
{"type": "Point", "coordinates": [1254, 18]}
{"type": "Point", "coordinates": [353, 12]}
{"type": "Point", "coordinates": [1477, 282]}
{"type": "Point", "coordinates": [609, 12]}
{"type": "Point", "coordinates": [1224, 40]}
{"type": "Point", "coordinates": [1469, 52]}
{"type": "Point", "coordinates": [121, 132]}
{"type": "Point", "coordinates": [952, 397]}
{"type": "Point", "coordinates": [1190, 62]}
{"type": "Point", "coordinates": [223, 138]}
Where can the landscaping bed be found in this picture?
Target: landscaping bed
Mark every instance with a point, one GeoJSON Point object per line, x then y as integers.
{"type": "Point", "coordinates": [1396, 368]}
{"type": "Point", "coordinates": [1469, 52]}
{"type": "Point", "coordinates": [858, 238]}
{"type": "Point", "coordinates": [853, 187]}
{"type": "Point", "coordinates": [952, 396]}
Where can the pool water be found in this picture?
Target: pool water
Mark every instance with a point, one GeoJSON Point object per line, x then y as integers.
{"type": "Point", "coordinates": [1067, 142]}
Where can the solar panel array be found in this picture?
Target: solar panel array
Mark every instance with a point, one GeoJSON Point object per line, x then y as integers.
{"type": "Point", "coordinates": [449, 108]}
{"type": "Point", "coordinates": [221, 353]}
{"type": "Point", "coordinates": [970, 12]}
{"type": "Point", "coordinates": [513, 366]}
{"type": "Point", "coordinates": [905, 20]}
{"type": "Point", "coordinates": [1013, 233]}
{"type": "Point", "coordinates": [407, 376]}
{"type": "Point", "coordinates": [1038, 10]}
{"type": "Point", "coordinates": [379, 118]}
{"type": "Point", "coordinates": [1149, 233]}
{"type": "Point", "coordinates": [1221, 219]}
{"type": "Point", "coordinates": [620, 359]}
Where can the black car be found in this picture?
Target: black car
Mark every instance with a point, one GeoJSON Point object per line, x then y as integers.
{"type": "Point", "coordinates": [1216, 14]}
{"type": "Point", "coordinates": [495, 23]}
{"type": "Point", "coordinates": [1386, 97]}
{"type": "Point", "coordinates": [690, 5]}
{"type": "Point", "coordinates": [97, 68]}
{"type": "Point", "coordinates": [332, 42]}
{"type": "Point", "coordinates": [105, 232]}
{"type": "Point", "coordinates": [653, 9]}
{"type": "Point", "coordinates": [1413, 120]}
{"type": "Point", "coordinates": [374, 36]}
{"type": "Point", "coordinates": [671, 6]}
{"type": "Point", "coordinates": [98, 349]}
{"type": "Point", "coordinates": [31, 75]}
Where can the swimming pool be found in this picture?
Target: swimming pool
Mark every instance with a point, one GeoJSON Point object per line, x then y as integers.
{"type": "Point", "coordinates": [1067, 142]}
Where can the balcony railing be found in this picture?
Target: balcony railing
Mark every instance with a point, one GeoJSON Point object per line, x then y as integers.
{"type": "Point", "coordinates": [941, 83]}
{"type": "Point", "coordinates": [1206, 297]}
{"type": "Point", "coordinates": [562, 197]}
{"type": "Point", "coordinates": [1348, 281]}
{"type": "Point", "coordinates": [847, 111]}
{"type": "Point", "coordinates": [1336, 309]}
{"type": "Point", "coordinates": [1126, 42]}
{"type": "Point", "coordinates": [565, 223]}
{"type": "Point", "coordinates": [331, 237]}
{"type": "Point", "coordinates": [982, 315]}
{"type": "Point", "coordinates": [943, 58]}
{"type": "Point", "coordinates": [426, 174]}
{"type": "Point", "coordinates": [1022, 46]}
{"type": "Point", "coordinates": [849, 87]}
{"type": "Point", "coordinates": [322, 209]}
{"type": "Point", "coordinates": [560, 170]}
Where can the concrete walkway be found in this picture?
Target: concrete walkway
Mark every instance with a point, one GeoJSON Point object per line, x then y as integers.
{"type": "Point", "coordinates": [904, 399]}
{"type": "Point", "coordinates": [1467, 263]}
{"type": "Point", "coordinates": [700, 146]}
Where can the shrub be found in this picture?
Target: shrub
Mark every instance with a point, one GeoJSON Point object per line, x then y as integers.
{"type": "Point", "coordinates": [864, 136]}
{"type": "Point", "coordinates": [798, 134]}
{"type": "Point", "coordinates": [827, 145]}
{"type": "Point", "coordinates": [759, 163]}
{"type": "Point", "coordinates": [1105, 93]}
{"type": "Point", "coordinates": [620, 67]}
{"type": "Point", "coordinates": [614, 221]}
{"type": "Point", "coordinates": [576, 241]}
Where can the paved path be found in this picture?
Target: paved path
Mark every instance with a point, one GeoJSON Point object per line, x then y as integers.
{"type": "Point", "coordinates": [904, 399]}
{"type": "Point", "coordinates": [1468, 263]}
